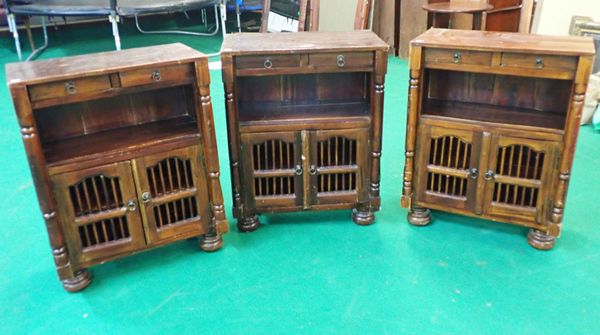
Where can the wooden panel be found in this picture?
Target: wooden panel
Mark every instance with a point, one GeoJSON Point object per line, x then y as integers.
{"type": "Point", "coordinates": [342, 60]}
{"type": "Point", "coordinates": [149, 75]}
{"type": "Point", "coordinates": [98, 212]}
{"type": "Point", "coordinates": [273, 169]}
{"type": "Point", "coordinates": [457, 57]}
{"type": "Point", "coordinates": [539, 62]}
{"type": "Point", "coordinates": [518, 177]}
{"type": "Point", "coordinates": [450, 162]}
{"type": "Point", "coordinates": [172, 193]}
{"type": "Point", "coordinates": [338, 166]}
{"type": "Point", "coordinates": [78, 86]}
{"type": "Point", "coordinates": [267, 62]}
{"type": "Point", "coordinates": [505, 16]}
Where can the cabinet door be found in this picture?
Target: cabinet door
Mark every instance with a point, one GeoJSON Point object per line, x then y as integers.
{"type": "Point", "coordinates": [272, 171]}
{"type": "Point", "coordinates": [172, 193]}
{"type": "Point", "coordinates": [98, 211]}
{"type": "Point", "coordinates": [447, 166]}
{"type": "Point", "coordinates": [519, 176]}
{"type": "Point", "coordinates": [338, 165]}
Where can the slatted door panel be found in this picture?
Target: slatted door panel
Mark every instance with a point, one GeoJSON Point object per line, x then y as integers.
{"type": "Point", "coordinates": [337, 166]}
{"type": "Point", "coordinates": [98, 211]}
{"type": "Point", "coordinates": [172, 193]}
{"type": "Point", "coordinates": [273, 167]}
{"type": "Point", "coordinates": [519, 177]}
{"type": "Point", "coordinates": [447, 166]}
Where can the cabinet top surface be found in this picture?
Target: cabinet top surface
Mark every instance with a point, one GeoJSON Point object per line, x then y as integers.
{"type": "Point", "coordinates": [289, 43]}
{"type": "Point", "coordinates": [497, 41]}
{"type": "Point", "coordinates": [98, 63]}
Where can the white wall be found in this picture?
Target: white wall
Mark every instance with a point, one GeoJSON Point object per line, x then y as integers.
{"type": "Point", "coordinates": [555, 15]}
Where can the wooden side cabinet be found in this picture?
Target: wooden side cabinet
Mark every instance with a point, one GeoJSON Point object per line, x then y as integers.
{"type": "Point", "coordinates": [122, 151]}
{"type": "Point", "coordinates": [492, 124]}
{"type": "Point", "coordinates": [304, 122]}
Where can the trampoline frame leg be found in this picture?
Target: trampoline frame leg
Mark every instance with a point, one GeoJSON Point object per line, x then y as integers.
{"type": "Point", "coordinates": [180, 32]}
{"type": "Point", "coordinates": [12, 27]}
{"type": "Point", "coordinates": [41, 49]}
{"type": "Point", "coordinates": [113, 18]}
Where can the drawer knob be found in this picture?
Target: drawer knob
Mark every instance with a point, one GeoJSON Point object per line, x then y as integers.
{"type": "Point", "coordinates": [474, 173]}
{"type": "Point", "coordinates": [156, 75]}
{"type": "Point", "coordinates": [539, 62]}
{"type": "Point", "coordinates": [456, 57]}
{"type": "Point", "coordinates": [131, 206]}
{"type": "Point", "coordinates": [298, 171]}
{"type": "Point", "coordinates": [489, 175]}
{"type": "Point", "coordinates": [341, 61]}
{"type": "Point", "coordinates": [268, 64]}
{"type": "Point", "coordinates": [146, 197]}
{"type": "Point", "coordinates": [70, 87]}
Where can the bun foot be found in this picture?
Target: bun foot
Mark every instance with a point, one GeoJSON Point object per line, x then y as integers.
{"type": "Point", "coordinates": [419, 216]}
{"type": "Point", "coordinates": [540, 240]}
{"type": "Point", "coordinates": [362, 218]}
{"type": "Point", "coordinates": [82, 279]}
{"type": "Point", "coordinates": [248, 224]}
{"type": "Point", "coordinates": [211, 242]}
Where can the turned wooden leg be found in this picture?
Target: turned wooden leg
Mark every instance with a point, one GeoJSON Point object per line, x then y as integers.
{"type": "Point", "coordinates": [81, 280]}
{"type": "Point", "coordinates": [211, 242]}
{"type": "Point", "coordinates": [248, 224]}
{"type": "Point", "coordinates": [362, 217]}
{"type": "Point", "coordinates": [419, 216]}
{"type": "Point", "coordinates": [540, 240]}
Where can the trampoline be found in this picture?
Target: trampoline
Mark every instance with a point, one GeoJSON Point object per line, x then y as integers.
{"type": "Point", "coordinates": [240, 6]}
{"type": "Point", "coordinates": [112, 9]}
{"type": "Point", "coordinates": [135, 8]}
{"type": "Point", "coordinates": [45, 8]}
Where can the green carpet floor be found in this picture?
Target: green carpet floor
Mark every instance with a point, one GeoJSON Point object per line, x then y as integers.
{"type": "Point", "coordinates": [307, 273]}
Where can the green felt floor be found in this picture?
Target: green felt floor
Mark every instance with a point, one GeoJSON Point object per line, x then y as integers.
{"type": "Point", "coordinates": [307, 273]}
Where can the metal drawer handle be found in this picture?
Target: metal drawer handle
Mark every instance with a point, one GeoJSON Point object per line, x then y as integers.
{"type": "Point", "coordinates": [474, 173]}
{"type": "Point", "coordinates": [341, 61]}
{"type": "Point", "coordinates": [131, 206]}
{"type": "Point", "coordinates": [268, 64]}
{"type": "Point", "coordinates": [313, 170]}
{"type": "Point", "coordinates": [146, 197]}
{"type": "Point", "coordinates": [70, 87]}
{"type": "Point", "coordinates": [298, 171]}
{"type": "Point", "coordinates": [489, 175]}
{"type": "Point", "coordinates": [156, 75]}
{"type": "Point", "coordinates": [456, 57]}
{"type": "Point", "coordinates": [539, 62]}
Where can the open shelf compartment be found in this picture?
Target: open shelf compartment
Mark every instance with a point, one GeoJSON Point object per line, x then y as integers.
{"type": "Point", "coordinates": [121, 127]}
{"type": "Point", "coordinates": [534, 102]}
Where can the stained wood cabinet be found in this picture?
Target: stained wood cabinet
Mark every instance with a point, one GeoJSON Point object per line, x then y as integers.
{"type": "Point", "coordinates": [122, 151]}
{"type": "Point", "coordinates": [304, 120]}
{"type": "Point", "coordinates": [492, 126]}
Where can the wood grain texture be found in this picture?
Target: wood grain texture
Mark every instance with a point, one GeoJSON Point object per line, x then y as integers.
{"type": "Point", "coordinates": [304, 122]}
{"type": "Point", "coordinates": [492, 126]}
{"type": "Point", "coordinates": [122, 152]}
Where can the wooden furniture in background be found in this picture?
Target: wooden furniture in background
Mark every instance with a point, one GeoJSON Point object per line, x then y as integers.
{"type": "Point", "coordinates": [506, 15]}
{"type": "Point", "coordinates": [304, 117]}
{"type": "Point", "coordinates": [361, 20]}
{"type": "Point", "coordinates": [284, 6]}
{"type": "Point", "coordinates": [492, 126]}
{"type": "Point", "coordinates": [441, 13]}
{"type": "Point", "coordinates": [122, 152]}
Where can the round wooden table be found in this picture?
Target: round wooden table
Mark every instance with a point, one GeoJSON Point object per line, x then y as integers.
{"type": "Point", "coordinates": [462, 7]}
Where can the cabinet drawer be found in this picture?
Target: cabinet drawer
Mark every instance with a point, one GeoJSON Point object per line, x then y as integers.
{"type": "Point", "coordinates": [342, 60]}
{"type": "Point", "coordinates": [528, 61]}
{"type": "Point", "coordinates": [66, 88]}
{"type": "Point", "coordinates": [458, 57]}
{"type": "Point", "coordinates": [267, 61]}
{"type": "Point", "coordinates": [176, 73]}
